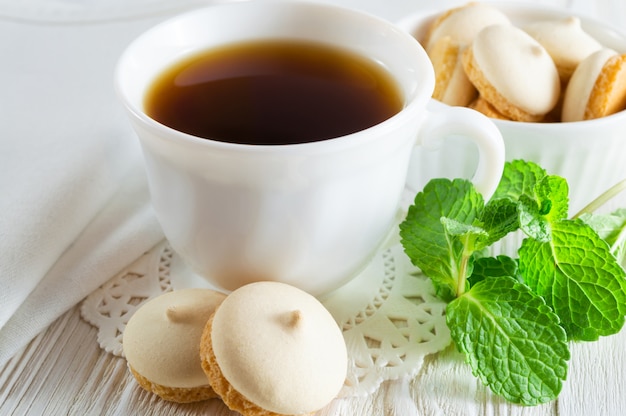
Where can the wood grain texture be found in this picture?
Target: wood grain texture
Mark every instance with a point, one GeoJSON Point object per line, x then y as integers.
{"type": "Point", "coordinates": [64, 372]}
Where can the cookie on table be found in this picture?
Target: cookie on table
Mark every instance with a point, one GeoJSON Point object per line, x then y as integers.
{"type": "Point", "coordinates": [597, 87]}
{"type": "Point", "coordinates": [513, 72]}
{"type": "Point", "coordinates": [271, 349]}
{"type": "Point", "coordinates": [161, 344]}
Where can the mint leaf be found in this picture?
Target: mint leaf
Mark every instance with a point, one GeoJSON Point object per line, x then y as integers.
{"type": "Point", "coordinates": [513, 318]}
{"type": "Point", "coordinates": [611, 228]}
{"type": "Point", "coordinates": [499, 218]}
{"type": "Point", "coordinates": [436, 252]}
{"type": "Point", "coordinates": [519, 178]}
{"type": "Point", "coordinates": [511, 339]}
{"type": "Point", "coordinates": [552, 197]}
{"type": "Point", "coordinates": [540, 198]}
{"type": "Point", "coordinates": [532, 220]}
{"type": "Point", "coordinates": [549, 203]}
{"type": "Point", "coordinates": [490, 267]}
{"type": "Point", "coordinates": [460, 229]}
{"type": "Point", "coordinates": [578, 277]}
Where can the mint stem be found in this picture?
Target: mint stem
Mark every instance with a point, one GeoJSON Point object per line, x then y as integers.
{"type": "Point", "coordinates": [602, 199]}
{"type": "Point", "coordinates": [619, 242]}
{"type": "Point", "coordinates": [462, 277]}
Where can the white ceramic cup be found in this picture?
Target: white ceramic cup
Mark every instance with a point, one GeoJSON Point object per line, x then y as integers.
{"type": "Point", "coordinates": [589, 154]}
{"type": "Point", "coordinates": [311, 215]}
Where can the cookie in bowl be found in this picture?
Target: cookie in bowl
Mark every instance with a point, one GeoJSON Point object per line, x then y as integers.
{"type": "Point", "coordinates": [566, 41]}
{"type": "Point", "coordinates": [501, 53]}
{"type": "Point", "coordinates": [483, 106]}
{"type": "Point", "coordinates": [462, 23]}
{"type": "Point", "coordinates": [446, 40]}
{"type": "Point", "coordinates": [597, 87]}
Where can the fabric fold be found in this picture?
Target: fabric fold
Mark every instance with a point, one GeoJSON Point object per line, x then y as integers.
{"type": "Point", "coordinates": [121, 232]}
{"type": "Point", "coordinates": [74, 204]}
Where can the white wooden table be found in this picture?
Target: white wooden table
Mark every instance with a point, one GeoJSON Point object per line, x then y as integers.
{"type": "Point", "coordinates": [64, 372]}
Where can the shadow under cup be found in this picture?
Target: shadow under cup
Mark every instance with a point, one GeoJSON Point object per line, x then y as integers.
{"type": "Point", "coordinates": [311, 215]}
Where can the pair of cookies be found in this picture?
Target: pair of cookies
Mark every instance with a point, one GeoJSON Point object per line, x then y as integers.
{"type": "Point", "coordinates": [266, 349]}
{"type": "Point", "coordinates": [593, 77]}
{"type": "Point", "coordinates": [523, 75]}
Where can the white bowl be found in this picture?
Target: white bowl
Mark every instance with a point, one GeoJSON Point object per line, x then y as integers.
{"type": "Point", "coordinates": [591, 155]}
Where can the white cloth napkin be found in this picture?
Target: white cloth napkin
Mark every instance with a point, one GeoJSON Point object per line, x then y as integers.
{"type": "Point", "coordinates": [74, 205]}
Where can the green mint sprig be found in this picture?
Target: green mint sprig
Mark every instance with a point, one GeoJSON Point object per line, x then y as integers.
{"type": "Point", "coordinates": [513, 317]}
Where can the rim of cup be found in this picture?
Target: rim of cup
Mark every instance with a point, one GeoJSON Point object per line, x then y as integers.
{"type": "Point", "coordinates": [384, 27]}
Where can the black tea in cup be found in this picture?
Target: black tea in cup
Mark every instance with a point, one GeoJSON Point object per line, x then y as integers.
{"type": "Point", "coordinates": [273, 92]}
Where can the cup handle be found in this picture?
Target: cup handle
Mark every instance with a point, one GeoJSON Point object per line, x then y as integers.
{"type": "Point", "coordinates": [461, 121]}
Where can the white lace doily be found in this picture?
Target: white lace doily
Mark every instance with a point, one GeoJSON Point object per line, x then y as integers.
{"type": "Point", "coordinates": [90, 10]}
{"type": "Point", "coordinates": [389, 314]}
